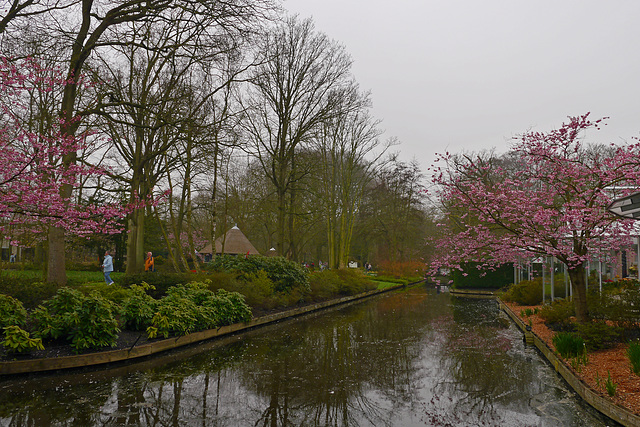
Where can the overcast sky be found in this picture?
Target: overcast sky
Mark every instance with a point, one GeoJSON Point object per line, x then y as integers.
{"type": "Point", "coordinates": [469, 74]}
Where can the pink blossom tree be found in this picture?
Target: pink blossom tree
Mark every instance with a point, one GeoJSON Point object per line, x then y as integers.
{"type": "Point", "coordinates": [547, 196]}
{"type": "Point", "coordinates": [31, 156]}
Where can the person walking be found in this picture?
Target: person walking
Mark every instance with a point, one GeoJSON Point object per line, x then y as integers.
{"type": "Point", "coordinates": [149, 265]}
{"type": "Point", "coordinates": [107, 268]}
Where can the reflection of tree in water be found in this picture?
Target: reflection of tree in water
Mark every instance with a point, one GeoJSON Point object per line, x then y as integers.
{"type": "Point", "coordinates": [52, 404]}
{"type": "Point", "coordinates": [362, 364]}
{"type": "Point", "coordinates": [478, 371]}
{"type": "Point", "coordinates": [184, 393]}
{"type": "Point", "coordinates": [327, 373]}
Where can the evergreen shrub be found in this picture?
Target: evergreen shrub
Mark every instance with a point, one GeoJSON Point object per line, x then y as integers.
{"type": "Point", "coordinates": [352, 282]}
{"type": "Point", "coordinates": [473, 278]}
{"type": "Point", "coordinates": [527, 292]}
{"type": "Point", "coordinates": [159, 282]}
{"type": "Point", "coordinates": [31, 292]}
{"type": "Point", "coordinates": [558, 313]}
{"type": "Point", "coordinates": [12, 312]}
{"type": "Point", "coordinates": [599, 335]}
{"type": "Point", "coordinates": [193, 307]}
{"type": "Point", "coordinates": [87, 321]}
{"type": "Point", "coordinates": [286, 275]}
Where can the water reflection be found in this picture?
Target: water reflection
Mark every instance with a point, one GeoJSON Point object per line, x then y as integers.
{"type": "Point", "coordinates": [408, 359]}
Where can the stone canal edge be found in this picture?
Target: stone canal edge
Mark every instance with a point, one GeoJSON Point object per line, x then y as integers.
{"type": "Point", "coordinates": [137, 352]}
{"type": "Point", "coordinates": [608, 408]}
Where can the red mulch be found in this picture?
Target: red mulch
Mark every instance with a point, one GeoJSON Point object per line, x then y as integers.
{"type": "Point", "coordinates": [601, 363]}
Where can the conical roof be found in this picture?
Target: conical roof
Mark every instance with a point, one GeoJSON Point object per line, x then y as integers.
{"type": "Point", "coordinates": [235, 243]}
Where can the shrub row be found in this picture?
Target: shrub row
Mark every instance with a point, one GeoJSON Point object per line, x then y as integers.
{"type": "Point", "coordinates": [286, 275]}
{"type": "Point", "coordinates": [93, 321]}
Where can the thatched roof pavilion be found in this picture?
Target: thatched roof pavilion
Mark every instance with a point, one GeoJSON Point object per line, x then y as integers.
{"type": "Point", "coordinates": [234, 242]}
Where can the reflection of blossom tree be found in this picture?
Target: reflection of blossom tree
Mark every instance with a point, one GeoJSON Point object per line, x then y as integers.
{"type": "Point", "coordinates": [479, 377]}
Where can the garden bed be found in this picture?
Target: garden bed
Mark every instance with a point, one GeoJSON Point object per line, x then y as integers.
{"type": "Point", "coordinates": [600, 363]}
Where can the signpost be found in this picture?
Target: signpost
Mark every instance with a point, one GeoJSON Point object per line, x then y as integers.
{"type": "Point", "coordinates": [626, 207]}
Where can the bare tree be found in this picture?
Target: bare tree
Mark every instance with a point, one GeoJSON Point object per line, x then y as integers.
{"type": "Point", "coordinates": [297, 88]}
{"type": "Point", "coordinates": [349, 149]}
{"type": "Point", "coordinates": [167, 72]}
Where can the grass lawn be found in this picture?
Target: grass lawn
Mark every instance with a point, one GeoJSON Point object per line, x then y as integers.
{"type": "Point", "coordinates": [75, 277]}
{"type": "Point", "coordinates": [385, 285]}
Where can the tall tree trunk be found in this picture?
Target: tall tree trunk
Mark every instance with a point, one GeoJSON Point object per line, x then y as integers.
{"type": "Point", "coordinates": [282, 208]}
{"type": "Point", "coordinates": [56, 257]}
{"type": "Point", "coordinates": [135, 242]}
{"type": "Point", "coordinates": [579, 285]}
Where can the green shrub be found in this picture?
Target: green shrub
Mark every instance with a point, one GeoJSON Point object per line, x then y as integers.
{"type": "Point", "coordinates": [138, 308]}
{"type": "Point", "coordinates": [114, 293]}
{"type": "Point", "coordinates": [96, 325]}
{"type": "Point", "coordinates": [558, 312]}
{"type": "Point", "coordinates": [17, 340]}
{"type": "Point", "coordinates": [619, 305]}
{"type": "Point", "coordinates": [193, 307]}
{"type": "Point", "coordinates": [323, 285]}
{"type": "Point", "coordinates": [352, 282]}
{"type": "Point", "coordinates": [568, 344]}
{"type": "Point", "coordinates": [257, 288]}
{"type": "Point", "coordinates": [229, 280]}
{"type": "Point", "coordinates": [12, 312]}
{"type": "Point", "coordinates": [30, 291]}
{"type": "Point", "coordinates": [599, 335]}
{"type": "Point", "coordinates": [160, 282]}
{"type": "Point", "coordinates": [527, 292]}
{"type": "Point", "coordinates": [634, 356]}
{"type": "Point", "coordinates": [87, 321]}
{"type": "Point", "coordinates": [285, 275]}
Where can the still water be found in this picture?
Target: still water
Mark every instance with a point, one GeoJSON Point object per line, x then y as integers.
{"type": "Point", "coordinates": [409, 358]}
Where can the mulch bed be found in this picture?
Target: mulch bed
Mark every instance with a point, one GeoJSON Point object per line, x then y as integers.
{"type": "Point", "coordinates": [614, 361]}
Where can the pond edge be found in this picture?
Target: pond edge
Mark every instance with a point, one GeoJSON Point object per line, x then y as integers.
{"type": "Point", "coordinates": [14, 367]}
{"type": "Point", "coordinates": [615, 412]}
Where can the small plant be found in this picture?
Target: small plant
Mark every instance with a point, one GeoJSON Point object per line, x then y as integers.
{"type": "Point", "coordinates": [139, 307]}
{"type": "Point", "coordinates": [581, 359]}
{"type": "Point", "coordinates": [528, 312]}
{"type": "Point", "coordinates": [599, 335]}
{"type": "Point", "coordinates": [568, 344]}
{"type": "Point", "coordinates": [610, 385]}
{"type": "Point", "coordinates": [17, 340]}
{"type": "Point", "coordinates": [634, 356]}
{"type": "Point", "coordinates": [558, 312]}
{"type": "Point", "coordinates": [12, 312]}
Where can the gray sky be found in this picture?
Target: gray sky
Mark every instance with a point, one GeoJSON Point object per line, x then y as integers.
{"type": "Point", "coordinates": [453, 75]}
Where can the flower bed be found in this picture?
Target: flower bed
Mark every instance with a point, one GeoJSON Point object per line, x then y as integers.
{"type": "Point", "coordinates": [601, 363]}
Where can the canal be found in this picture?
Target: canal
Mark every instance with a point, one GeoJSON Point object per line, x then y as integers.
{"type": "Point", "coordinates": [409, 358]}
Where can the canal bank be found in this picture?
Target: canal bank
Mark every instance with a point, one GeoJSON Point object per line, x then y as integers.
{"type": "Point", "coordinates": [618, 413]}
{"type": "Point", "coordinates": [410, 358]}
{"type": "Point", "coordinates": [149, 349]}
